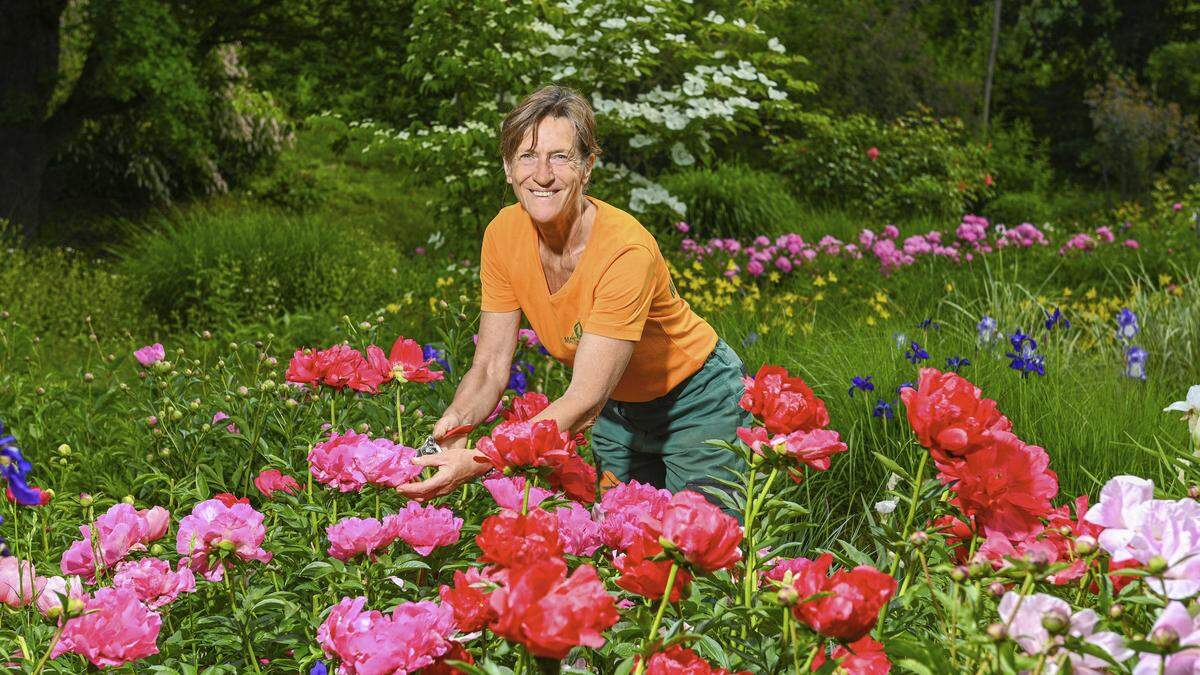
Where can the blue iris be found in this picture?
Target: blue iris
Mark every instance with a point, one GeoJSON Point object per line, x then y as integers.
{"type": "Point", "coordinates": [903, 385]}
{"type": "Point", "coordinates": [15, 469]}
{"type": "Point", "coordinates": [1024, 357]}
{"type": "Point", "coordinates": [1127, 325]}
{"type": "Point", "coordinates": [861, 383]}
{"type": "Point", "coordinates": [929, 323]}
{"type": "Point", "coordinates": [954, 363]}
{"type": "Point", "coordinates": [915, 353]}
{"type": "Point", "coordinates": [319, 668]}
{"type": "Point", "coordinates": [883, 409]}
{"type": "Point", "coordinates": [1135, 362]}
{"type": "Point", "coordinates": [986, 330]}
{"type": "Point", "coordinates": [518, 379]}
{"type": "Point", "coordinates": [438, 355]}
{"type": "Point", "coordinates": [1057, 319]}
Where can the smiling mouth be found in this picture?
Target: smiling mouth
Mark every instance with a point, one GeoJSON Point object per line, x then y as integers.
{"type": "Point", "coordinates": [543, 194]}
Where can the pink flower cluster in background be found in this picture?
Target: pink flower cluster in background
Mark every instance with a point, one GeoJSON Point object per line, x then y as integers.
{"type": "Point", "coordinates": [422, 527]}
{"type": "Point", "coordinates": [973, 236]}
{"type": "Point", "coordinates": [411, 638]}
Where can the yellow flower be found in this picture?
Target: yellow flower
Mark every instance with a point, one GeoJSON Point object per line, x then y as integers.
{"type": "Point", "coordinates": [816, 298]}
{"type": "Point", "coordinates": [1163, 280]}
{"type": "Point", "coordinates": [949, 289]}
{"type": "Point", "coordinates": [392, 308]}
{"type": "Point", "coordinates": [1090, 295]}
{"type": "Point", "coordinates": [870, 322]}
{"type": "Point", "coordinates": [833, 280]}
{"type": "Point", "coordinates": [818, 282]}
{"type": "Point", "coordinates": [879, 297]}
{"type": "Point", "coordinates": [773, 277]}
{"type": "Point", "coordinates": [1066, 294]}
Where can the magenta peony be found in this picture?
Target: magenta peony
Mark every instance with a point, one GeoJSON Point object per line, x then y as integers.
{"type": "Point", "coordinates": [150, 354]}
{"type": "Point", "coordinates": [50, 591]}
{"type": "Point", "coordinates": [425, 527]}
{"type": "Point", "coordinates": [580, 534]}
{"type": "Point", "coordinates": [214, 533]}
{"type": "Point", "coordinates": [115, 629]}
{"type": "Point", "coordinates": [624, 509]}
{"type": "Point", "coordinates": [154, 581]}
{"type": "Point", "coordinates": [508, 491]}
{"type": "Point", "coordinates": [350, 461]}
{"type": "Point", "coordinates": [411, 638]}
{"type": "Point", "coordinates": [350, 537]}
{"type": "Point", "coordinates": [121, 529]}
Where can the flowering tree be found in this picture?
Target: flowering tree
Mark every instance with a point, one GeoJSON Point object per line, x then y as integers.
{"type": "Point", "coordinates": [669, 83]}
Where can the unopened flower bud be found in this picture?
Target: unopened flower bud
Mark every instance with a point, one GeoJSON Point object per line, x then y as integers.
{"type": "Point", "coordinates": [86, 500]}
{"type": "Point", "coordinates": [1056, 621]}
{"type": "Point", "coordinates": [979, 567]}
{"type": "Point", "coordinates": [788, 596]}
{"type": "Point", "coordinates": [1194, 491]}
{"type": "Point", "coordinates": [995, 631]}
{"type": "Point", "coordinates": [206, 335]}
{"type": "Point", "coordinates": [1157, 565]}
{"type": "Point", "coordinates": [271, 360]}
{"type": "Point", "coordinates": [176, 415]}
{"type": "Point", "coordinates": [128, 499]}
{"type": "Point", "coordinates": [62, 461]}
{"type": "Point", "coordinates": [291, 403]}
{"type": "Point", "coordinates": [205, 427]}
{"type": "Point", "coordinates": [258, 343]}
{"type": "Point", "coordinates": [242, 390]}
{"type": "Point", "coordinates": [165, 452]}
{"type": "Point", "coordinates": [152, 420]}
{"type": "Point", "coordinates": [1164, 637]}
{"type": "Point", "coordinates": [157, 549]}
{"type": "Point", "coordinates": [996, 588]}
{"type": "Point", "coordinates": [54, 612]}
{"type": "Point", "coordinates": [918, 538]}
{"type": "Point", "coordinates": [64, 449]}
{"type": "Point", "coordinates": [74, 606]}
{"type": "Point", "coordinates": [233, 345]}
{"type": "Point", "coordinates": [226, 545]}
{"type": "Point", "coordinates": [1116, 610]}
{"type": "Point", "coordinates": [364, 428]}
{"type": "Point", "coordinates": [194, 404]}
{"type": "Point", "coordinates": [88, 377]}
{"type": "Point", "coordinates": [1085, 544]}
{"type": "Point", "coordinates": [268, 385]}
{"type": "Point", "coordinates": [959, 574]}
{"type": "Point", "coordinates": [40, 391]}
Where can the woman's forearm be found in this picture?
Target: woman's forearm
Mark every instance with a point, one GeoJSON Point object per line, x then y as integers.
{"type": "Point", "coordinates": [573, 413]}
{"type": "Point", "coordinates": [477, 395]}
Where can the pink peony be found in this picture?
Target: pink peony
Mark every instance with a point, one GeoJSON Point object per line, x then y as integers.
{"type": "Point", "coordinates": [271, 480]}
{"type": "Point", "coordinates": [1174, 619]}
{"type": "Point", "coordinates": [50, 591]}
{"type": "Point", "coordinates": [509, 490]}
{"type": "Point", "coordinates": [151, 354]}
{"type": "Point", "coordinates": [707, 538]}
{"type": "Point", "coordinates": [425, 527]}
{"type": "Point", "coordinates": [213, 530]}
{"type": "Point", "coordinates": [350, 537]}
{"type": "Point", "coordinates": [115, 629]}
{"type": "Point", "coordinates": [121, 529]}
{"type": "Point", "coordinates": [231, 427]}
{"type": "Point", "coordinates": [411, 638]}
{"type": "Point", "coordinates": [17, 579]}
{"type": "Point", "coordinates": [1023, 621]}
{"type": "Point", "coordinates": [872, 153]}
{"type": "Point", "coordinates": [580, 534]}
{"type": "Point", "coordinates": [154, 581]}
{"type": "Point", "coordinates": [350, 461]}
{"type": "Point", "coordinates": [624, 510]}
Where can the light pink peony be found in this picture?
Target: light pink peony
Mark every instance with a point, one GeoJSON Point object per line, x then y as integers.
{"type": "Point", "coordinates": [121, 529]}
{"type": "Point", "coordinates": [154, 581]}
{"type": "Point", "coordinates": [509, 490]}
{"type": "Point", "coordinates": [624, 509]}
{"type": "Point", "coordinates": [350, 537]}
{"type": "Point", "coordinates": [17, 580]}
{"type": "Point", "coordinates": [350, 461]}
{"type": "Point", "coordinates": [115, 629]}
{"type": "Point", "coordinates": [1023, 619]}
{"type": "Point", "coordinates": [580, 535]}
{"type": "Point", "coordinates": [1176, 619]}
{"type": "Point", "coordinates": [51, 589]}
{"type": "Point", "coordinates": [411, 638]}
{"type": "Point", "coordinates": [150, 354]}
{"type": "Point", "coordinates": [213, 529]}
{"type": "Point", "coordinates": [425, 527]}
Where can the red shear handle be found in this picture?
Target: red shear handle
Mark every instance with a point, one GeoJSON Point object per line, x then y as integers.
{"type": "Point", "coordinates": [457, 431]}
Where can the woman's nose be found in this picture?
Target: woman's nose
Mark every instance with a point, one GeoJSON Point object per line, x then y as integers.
{"type": "Point", "coordinates": [543, 174]}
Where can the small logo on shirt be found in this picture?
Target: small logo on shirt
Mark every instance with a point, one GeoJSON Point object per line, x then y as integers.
{"type": "Point", "coordinates": [576, 333]}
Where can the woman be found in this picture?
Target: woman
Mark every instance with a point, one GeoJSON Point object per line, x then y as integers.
{"type": "Point", "coordinates": [653, 376]}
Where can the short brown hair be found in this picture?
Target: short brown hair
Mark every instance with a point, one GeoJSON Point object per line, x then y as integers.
{"type": "Point", "coordinates": [550, 101]}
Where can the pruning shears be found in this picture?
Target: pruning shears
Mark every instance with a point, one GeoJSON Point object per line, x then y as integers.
{"type": "Point", "coordinates": [431, 446]}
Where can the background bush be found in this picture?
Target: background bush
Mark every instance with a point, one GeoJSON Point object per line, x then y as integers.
{"type": "Point", "coordinates": [733, 201]}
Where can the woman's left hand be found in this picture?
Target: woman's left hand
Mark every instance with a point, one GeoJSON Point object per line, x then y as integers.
{"type": "Point", "coordinates": [456, 465]}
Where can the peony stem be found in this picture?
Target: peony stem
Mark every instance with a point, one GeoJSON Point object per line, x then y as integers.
{"type": "Point", "coordinates": [912, 508]}
{"type": "Point", "coordinates": [755, 503]}
{"type": "Point", "coordinates": [240, 622]}
{"type": "Point", "coordinates": [399, 420]}
{"type": "Point", "coordinates": [525, 497]}
{"type": "Point", "coordinates": [811, 655]}
{"type": "Point", "coordinates": [53, 643]}
{"type": "Point", "coordinates": [662, 607]}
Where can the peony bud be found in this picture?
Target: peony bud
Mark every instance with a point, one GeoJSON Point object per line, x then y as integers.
{"type": "Point", "coordinates": [206, 335]}
{"type": "Point", "coordinates": [242, 390]}
{"type": "Point", "coordinates": [226, 545]}
{"type": "Point", "coordinates": [233, 346]}
{"type": "Point", "coordinates": [42, 390]}
{"type": "Point", "coordinates": [74, 606]}
{"type": "Point", "coordinates": [996, 588]}
{"type": "Point", "coordinates": [86, 500]}
{"type": "Point", "coordinates": [1157, 565]}
{"type": "Point", "coordinates": [959, 574]}
{"type": "Point", "coordinates": [1056, 621]}
{"type": "Point", "coordinates": [128, 499]}
{"type": "Point", "coordinates": [1193, 492]}
{"type": "Point", "coordinates": [176, 415]}
{"type": "Point", "coordinates": [995, 631]}
{"type": "Point", "coordinates": [1085, 544]}
{"type": "Point", "coordinates": [918, 538]}
{"type": "Point", "coordinates": [88, 377]}
{"type": "Point", "coordinates": [1165, 638]}
{"type": "Point", "coordinates": [1116, 610]}
{"type": "Point", "coordinates": [64, 449]}
{"type": "Point", "coordinates": [787, 595]}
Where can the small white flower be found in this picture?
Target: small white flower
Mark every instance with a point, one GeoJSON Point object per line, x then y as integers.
{"type": "Point", "coordinates": [886, 506]}
{"type": "Point", "coordinates": [1191, 412]}
{"type": "Point", "coordinates": [681, 156]}
{"type": "Point", "coordinates": [776, 46]}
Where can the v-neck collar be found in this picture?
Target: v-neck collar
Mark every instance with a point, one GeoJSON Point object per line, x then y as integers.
{"type": "Point", "coordinates": [587, 247]}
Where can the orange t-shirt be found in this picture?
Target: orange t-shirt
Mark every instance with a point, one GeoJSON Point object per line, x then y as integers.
{"type": "Point", "coordinates": [621, 289]}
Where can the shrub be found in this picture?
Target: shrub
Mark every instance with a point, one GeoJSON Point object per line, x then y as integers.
{"type": "Point", "coordinates": [733, 200]}
{"type": "Point", "coordinates": [924, 164]}
{"type": "Point", "coordinates": [1019, 162]}
{"type": "Point", "coordinates": [222, 265]}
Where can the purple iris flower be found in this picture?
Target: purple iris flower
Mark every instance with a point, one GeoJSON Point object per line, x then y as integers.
{"type": "Point", "coordinates": [1024, 357]}
{"type": "Point", "coordinates": [861, 383]}
{"type": "Point", "coordinates": [986, 330]}
{"type": "Point", "coordinates": [883, 409]}
{"type": "Point", "coordinates": [915, 353]}
{"type": "Point", "coordinates": [1127, 325]}
{"type": "Point", "coordinates": [1135, 363]}
{"type": "Point", "coordinates": [956, 362]}
{"type": "Point", "coordinates": [1057, 319]}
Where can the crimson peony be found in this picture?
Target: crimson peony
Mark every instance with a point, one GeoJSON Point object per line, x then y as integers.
{"type": "Point", "coordinates": [469, 599]}
{"type": "Point", "coordinates": [549, 612]}
{"type": "Point", "coordinates": [784, 404]}
{"type": "Point", "coordinates": [645, 577]}
{"type": "Point", "coordinates": [707, 537]}
{"type": "Point", "coordinates": [949, 416]}
{"type": "Point", "coordinates": [1006, 486]}
{"type": "Point", "coordinates": [852, 607]}
{"type": "Point", "coordinates": [509, 539]}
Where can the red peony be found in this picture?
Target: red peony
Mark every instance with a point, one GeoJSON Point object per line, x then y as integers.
{"type": "Point", "coordinates": [679, 660]}
{"type": "Point", "coordinates": [339, 365]}
{"type": "Point", "coordinates": [440, 667]}
{"type": "Point", "coordinates": [576, 478]}
{"type": "Point", "coordinates": [784, 404]}
{"type": "Point", "coordinates": [542, 608]}
{"type": "Point", "coordinates": [525, 407]}
{"type": "Point", "coordinates": [707, 537]}
{"type": "Point", "coordinates": [862, 657]}
{"type": "Point", "coordinates": [852, 607]}
{"type": "Point", "coordinates": [521, 445]}
{"type": "Point", "coordinates": [271, 480]}
{"type": "Point", "coordinates": [229, 500]}
{"type": "Point", "coordinates": [806, 577]}
{"type": "Point", "coordinates": [949, 416]}
{"type": "Point", "coordinates": [469, 600]}
{"type": "Point", "coordinates": [305, 368]}
{"type": "Point", "coordinates": [645, 577]}
{"type": "Point", "coordinates": [510, 540]}
{"type": "Point", "coordinates": [407, 361]}
{"type": "Point", "coordinates": [1006, 486]}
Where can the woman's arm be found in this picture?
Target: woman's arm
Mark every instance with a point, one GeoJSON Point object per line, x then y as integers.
{"type": "Point", "coordinates": [599, 364]}
{"type": "Point", "coordinates": [474, 400]}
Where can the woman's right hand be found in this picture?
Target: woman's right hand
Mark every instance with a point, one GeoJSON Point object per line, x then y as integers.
{"type": "Point", "coordinates": [443, 426]}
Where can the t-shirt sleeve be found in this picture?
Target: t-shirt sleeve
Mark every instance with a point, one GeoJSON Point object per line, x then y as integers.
{"type": "Point", "coordinates": [623, 295]}
{"type": "Point", "coordinates": [498, 294]}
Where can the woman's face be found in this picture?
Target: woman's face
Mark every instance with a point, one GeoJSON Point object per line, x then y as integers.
{"type": "Point", "coordinates": [548, 178]}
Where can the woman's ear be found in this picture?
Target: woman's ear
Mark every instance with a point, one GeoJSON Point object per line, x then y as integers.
{"type": "Point", "coordinates": [507, 172]}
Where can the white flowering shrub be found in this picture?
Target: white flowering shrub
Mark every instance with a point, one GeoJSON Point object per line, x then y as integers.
{"type": "Point", "coordinates": [670, 84]}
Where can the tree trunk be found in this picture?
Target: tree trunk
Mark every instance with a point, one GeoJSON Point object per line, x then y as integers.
{"type": "Point", "coordinates": [29, 44]}
{"type": "Point", "coordinates": [991, 66]}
